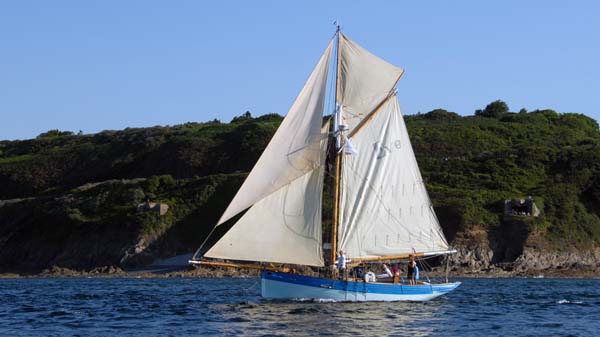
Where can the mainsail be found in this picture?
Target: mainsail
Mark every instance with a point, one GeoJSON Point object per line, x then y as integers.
{"type": "Point", "coordinates": [385, 209]}
{"type": "Point", "coordinates": [284, 189]}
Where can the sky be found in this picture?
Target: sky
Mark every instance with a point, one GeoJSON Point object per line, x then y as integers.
{"type": "Point", "coordinates": [106, 65]}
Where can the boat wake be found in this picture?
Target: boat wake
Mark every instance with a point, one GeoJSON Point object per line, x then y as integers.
{"type": "Point", "coordinates": [563, 301]}
{"type": "Point", "coordinates": [316, 300]}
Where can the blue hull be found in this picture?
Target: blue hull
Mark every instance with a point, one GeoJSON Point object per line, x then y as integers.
{"type": "Point", "coordinates": [290, 286]}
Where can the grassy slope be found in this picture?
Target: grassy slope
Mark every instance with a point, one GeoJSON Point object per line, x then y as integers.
{"type": "Point", "coordinates": [471, 164]}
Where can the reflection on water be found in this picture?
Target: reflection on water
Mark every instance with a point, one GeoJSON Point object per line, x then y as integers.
{"type": "Point", "coordinates": [333, 318]}
{"type": "Point", "coordinates": [233, 307]}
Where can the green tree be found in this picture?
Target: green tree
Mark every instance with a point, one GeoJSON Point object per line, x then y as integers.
{"type": "Point", "coordinates": [246, 116]}
{"type": "Point", "coordinates": [496, 109]}
{"type": "Point", "coordinates": [441, 114]}
{"type": "Point", "coordinates": [54, 133]}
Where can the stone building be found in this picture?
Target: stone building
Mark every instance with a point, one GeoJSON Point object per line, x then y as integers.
{"type": "Point", "coordinates": [149, 206]}
{"type": "Point", "coordinates": [521, 207]}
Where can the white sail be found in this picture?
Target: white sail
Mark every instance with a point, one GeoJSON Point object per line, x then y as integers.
{"type": "Point", "coordinates": [364, 81]}
{"type": "Point", "coordinates": [294, 150]}
{"type": "Point", "coordinates": [384, 206]}
{"type": "Point", "coordinates": [385, 209]}
{"type": "Point", "coordinates": [284, 227]}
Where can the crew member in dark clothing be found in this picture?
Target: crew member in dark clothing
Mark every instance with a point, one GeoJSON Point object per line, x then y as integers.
{"type": "Point", "coordinates": [411, 270]}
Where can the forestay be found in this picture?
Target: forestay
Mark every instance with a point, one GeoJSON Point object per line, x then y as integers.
{"type": "Point", "coordinates": [385, 207]}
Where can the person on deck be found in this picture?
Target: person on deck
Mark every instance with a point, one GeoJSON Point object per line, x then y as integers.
{"type": "Point", "coordinates": [411, 270]}
{"type": "Point", "coordinates": [396, 273]}
{"type": "Point", "coordinates": [341, 263]}
{"type": "Point", "coordinates": [387, 273]}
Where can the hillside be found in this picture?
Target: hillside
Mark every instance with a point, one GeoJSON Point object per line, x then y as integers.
{"type": "Point", "coordinates": [71, 200]}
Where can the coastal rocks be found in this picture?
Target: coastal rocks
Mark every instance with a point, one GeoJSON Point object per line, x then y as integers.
{"type": "Point", "coordinates": [137, 254]}
{"type": "Point", "coordinates": [473, 252]}
{"type": "Point", "coordinates": [481, 251]}
{"type": "Point", "coordinates": [533, 262]}
{"type": "Point", "coordinates": [106, 270]}
{"type": "Point", "coordinates": [57, 271]}
{"type": "Point", "coordinates": [536, 260]}
{"type": "Point", "coordinates": [473, 260]}
{"type": "Point", "coordinates": [219, 272]}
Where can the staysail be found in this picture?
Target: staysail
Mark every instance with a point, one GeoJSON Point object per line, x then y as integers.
{"type": "Point", "coordinates": [284, 227]}
{"type": "Point", "coordinates": [284, 189]}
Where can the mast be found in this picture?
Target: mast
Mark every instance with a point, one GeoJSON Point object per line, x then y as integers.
{"type": "Point", "coordinates": [338, 157]}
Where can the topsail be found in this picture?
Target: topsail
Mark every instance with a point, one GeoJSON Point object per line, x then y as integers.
{"type": "Point", "coordinates": [364, 82]}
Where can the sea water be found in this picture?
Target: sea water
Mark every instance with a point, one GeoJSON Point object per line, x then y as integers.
{"type": "Point", "coordinates": [233, 307]}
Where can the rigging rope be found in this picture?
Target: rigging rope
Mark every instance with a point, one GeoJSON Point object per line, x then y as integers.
{"type": "Point", "coordinates": [204, 242]}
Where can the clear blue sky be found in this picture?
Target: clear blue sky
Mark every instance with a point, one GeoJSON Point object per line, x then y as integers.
{"type": "Point", "coordinates": [97, 65]}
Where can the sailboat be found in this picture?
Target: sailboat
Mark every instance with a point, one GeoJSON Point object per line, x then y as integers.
{"type": "Point", "coordinates": [381, 209]}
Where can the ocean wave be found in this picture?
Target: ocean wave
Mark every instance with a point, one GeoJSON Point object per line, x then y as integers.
{"type": "Point", "coordinates": [569, 302]}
